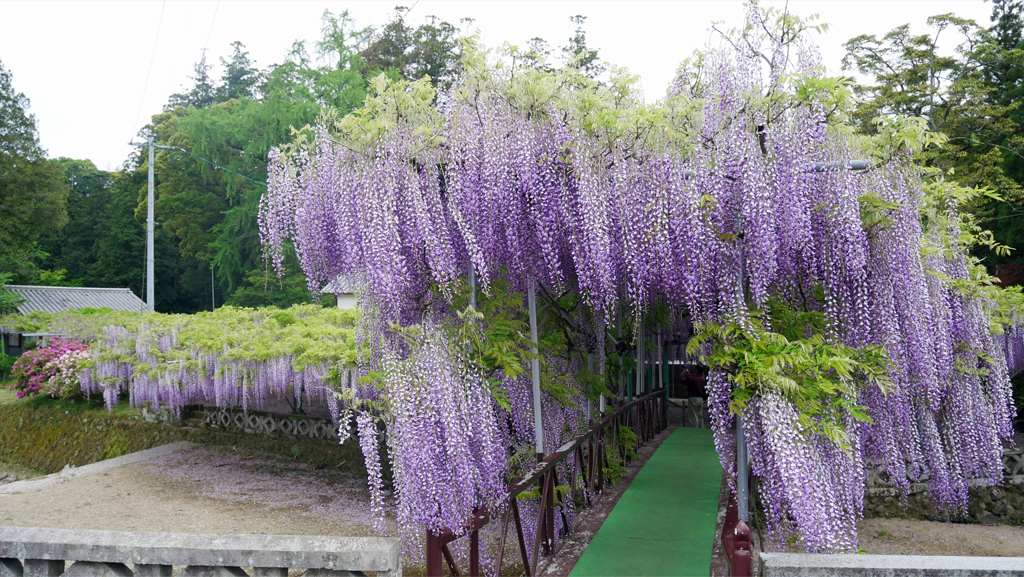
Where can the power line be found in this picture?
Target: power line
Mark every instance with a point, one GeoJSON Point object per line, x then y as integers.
{"type": "Point", "coordinates": [212, 20]}
{"type": "Point", "coordinates": [152, 57]}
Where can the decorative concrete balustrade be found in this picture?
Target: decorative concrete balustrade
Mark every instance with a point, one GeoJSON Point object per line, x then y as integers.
{"type": "Point", "coordinates": [314, 428]}
{"type": "Point", "coordinates": [40, 552]}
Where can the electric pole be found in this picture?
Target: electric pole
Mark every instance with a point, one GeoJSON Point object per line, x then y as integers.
{"type": "Point", "coordinates": [150, 298]}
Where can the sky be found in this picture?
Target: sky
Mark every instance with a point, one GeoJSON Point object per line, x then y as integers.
{"type": "Point", "coordinates": [96, 71]}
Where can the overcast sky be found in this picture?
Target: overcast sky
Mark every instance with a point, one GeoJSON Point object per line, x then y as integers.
{"type": "Point", "coordinates": [84, 65]}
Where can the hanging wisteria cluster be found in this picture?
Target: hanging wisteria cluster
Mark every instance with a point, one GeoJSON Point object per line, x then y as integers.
{"type": "Point", "coordinates": [734, 190]}
{"type": "Point", "coordinates": [229, 357]}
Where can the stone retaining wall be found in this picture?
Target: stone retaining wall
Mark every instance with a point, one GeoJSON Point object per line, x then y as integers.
{"type": "Point", "coordinates": [1003, 504]}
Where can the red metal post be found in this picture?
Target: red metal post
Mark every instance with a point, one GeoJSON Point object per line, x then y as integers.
{"type": "Point", "coordinates": [433, 555]}
{"type": "Point", "coordinates": [741, 550]}
{"type": "Point", "coordinates": [474, 554]}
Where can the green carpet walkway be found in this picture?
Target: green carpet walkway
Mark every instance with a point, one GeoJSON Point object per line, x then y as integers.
{"type": "Point", "coordinates": [664, 524]}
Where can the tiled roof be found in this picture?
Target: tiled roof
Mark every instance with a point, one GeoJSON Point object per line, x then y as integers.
{"type": "Point", "coordinates": [344, 284]}
{"type": "Point", "coordinates": [61, 298]}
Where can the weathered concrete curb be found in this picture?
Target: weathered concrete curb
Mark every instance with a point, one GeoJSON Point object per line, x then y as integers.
{"type": "Point", "coordinates": [70, 473]}
{"type": "Point", "coordinates": [807, 565]}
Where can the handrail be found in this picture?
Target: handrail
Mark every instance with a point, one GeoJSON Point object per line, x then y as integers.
{"type": "Point", "coordinates": [650, 419]}
{"type": "Point", "coordinates": [554, 458]}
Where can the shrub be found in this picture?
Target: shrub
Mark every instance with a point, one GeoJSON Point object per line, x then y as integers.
{"type": "Point", "coordinates": [44, 369]}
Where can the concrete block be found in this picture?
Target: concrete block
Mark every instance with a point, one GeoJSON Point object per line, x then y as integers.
{"type": "Point", "coordinates": [93, 569]}
{"type": "Point", "coordinates": [807, 565]}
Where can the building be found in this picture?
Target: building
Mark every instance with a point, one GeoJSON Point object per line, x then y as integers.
{"type": "Point", "coordinates": [61, 298]}
{"type": "Point", "coordinates": [345, 289]}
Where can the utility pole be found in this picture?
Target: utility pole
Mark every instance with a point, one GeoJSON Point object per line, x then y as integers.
{"type": "Point", "coordinates": [150, 298]}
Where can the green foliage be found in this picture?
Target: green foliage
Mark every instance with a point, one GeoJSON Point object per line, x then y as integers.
{"type": "Point", "coordinates": [32, 193]}
{"type": "Point", "coordinates": [400, 51]}
{"type": "Point", "coordinates": [6, 362]}
{"type": "Point", "coordinates": [822, 379]}
{"type": "Point", "coordinates": [8, 298]}
{"type": "Point", "coordinates": [960, 113]}
{"type": "Point", "coordinates": [310, 333]}
{"type": "Point", "coordinates": [83, 325]}
{"type": "Point", "coordinates": [580, 56]}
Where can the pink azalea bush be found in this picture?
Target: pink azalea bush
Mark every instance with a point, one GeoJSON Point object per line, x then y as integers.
{"type": "Point", "coordinates": [52, 369]}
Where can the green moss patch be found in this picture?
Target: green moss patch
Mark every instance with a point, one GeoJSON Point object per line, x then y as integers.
{"type": "Point", "coordinates": [46, 439]}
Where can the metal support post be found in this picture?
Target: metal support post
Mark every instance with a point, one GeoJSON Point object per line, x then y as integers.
{"type": "Point", "coordinates": [531, 297]}
{"type": "Point", "coordinates": [590, 401]}
{"type": "Point", "coordinates": [742, 466]}
{"type": "Point", "coordinates": [664, 374]}
{"type": "Point", "coordinates": [150, 299]}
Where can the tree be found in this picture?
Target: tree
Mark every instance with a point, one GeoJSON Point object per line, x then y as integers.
{"type": "Point", "coordinates": [580, 56]}
{"type": "Point", "coordinates": [432, 50]}
{"type": "Point", "coordinates": [1006, 73]}
{"type": "Point", "coordinates": [240, 75]}
{"type": "Point", "coordinates": [388, 52]}
{"type": "Point", "coordinates": [33, 193]}
{"type": "Point", "coordinates": [968, 96]}
{"type": "Point", "coordinates": [203, 93]}
{"type": "Point", "coordinates": [73, 249]}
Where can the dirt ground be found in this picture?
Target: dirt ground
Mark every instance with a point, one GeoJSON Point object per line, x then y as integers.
{"type": "Point", "coordinates": [909, 537]}
{"type": "Point", "coordinates": [201, 490]}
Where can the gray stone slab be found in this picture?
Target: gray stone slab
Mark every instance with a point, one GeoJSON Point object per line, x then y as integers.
{"type": "Point", "coordinates": [71, 473]}
{"type": "Point", "coordinates": [808, 565]}
{"type": "Point", "coordinates": [379, 554]}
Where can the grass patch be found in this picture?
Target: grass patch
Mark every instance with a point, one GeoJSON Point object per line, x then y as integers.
{"type": "Point", "coordinates": [7, 396]}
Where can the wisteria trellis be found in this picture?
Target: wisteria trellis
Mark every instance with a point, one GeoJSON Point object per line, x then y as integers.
{"type": "Point", "coordinates": [527, 175]}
